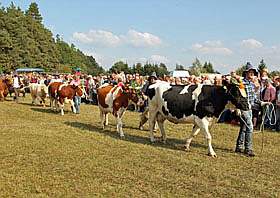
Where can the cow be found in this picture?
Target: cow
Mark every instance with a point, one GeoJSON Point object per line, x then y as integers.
{"type": "Point", "coordinates": [52, 90]}
{"type": "Point", "coordinates": [38, 92]}
{"type": "Point", "coordinates": [197, 104]}
{"type": "Point", "coordinates": [115, 100]}
{"type": "Point", "coordinates": [66, 93]}
{"type": "Point", "coordinates": [5, 85]}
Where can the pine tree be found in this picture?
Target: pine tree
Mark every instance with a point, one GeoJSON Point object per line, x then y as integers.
{"type": "Point", "coordinates": [196, 67]}
{"type": "Point", "coordinates": [33, 11]}
{"type": "Point", "coordinates": [208, 68]}
{"type": "Point", "coordinates": [262, 65]}
{"type": "Point", "coordinates": [25, 42]}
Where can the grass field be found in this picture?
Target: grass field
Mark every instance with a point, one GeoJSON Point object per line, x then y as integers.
{"type": "Point", "coordinates": [44, 154]}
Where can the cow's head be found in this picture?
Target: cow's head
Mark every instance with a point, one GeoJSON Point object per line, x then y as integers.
{"type": "Point", "coordinates": [237, 94]}
{"type": "Point", "coordinates": [8, 82]}
{"type": "Point", "coordinates": [44, 90]}
{"type": "Point", "coordinates": [132, 94]}
{"type": "Point", "coordinates": [78, 91]}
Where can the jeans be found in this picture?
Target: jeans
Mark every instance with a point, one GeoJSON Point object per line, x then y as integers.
{"type": "Point", "coordinates": [77, 103]}
{"type": "Point", "coordinates": [16, 90]}
{"type": "Point", "coordinates": [246, 131]}
{"type": "Point", "coordinates": [278, 118]}
{"type": "Point", "coordinates": [269, 119]}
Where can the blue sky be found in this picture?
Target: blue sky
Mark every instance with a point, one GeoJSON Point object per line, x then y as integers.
{"type": "Point", "coordinates": [227, 33]}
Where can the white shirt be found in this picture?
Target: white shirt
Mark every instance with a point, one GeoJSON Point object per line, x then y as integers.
{"type": "Point", "coordinates": [16, 83]}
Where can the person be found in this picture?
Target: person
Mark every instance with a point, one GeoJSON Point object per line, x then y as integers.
{"type": "Point", "coordinates": [256, 109]}
{"type": "Point", "coordinates": [152, 79]}
{"type": "Point", "coordinates": [16, 86]}
{"type": "Point", "coordinates": [277, 85]}
{"type": "Point", "coordinates": [90, 87]}
{"type": "Point", "coordinates": [269, 95]}
{"type": "Point", "coordinates": [77, 99]}
{"type": "Point", "coordinates": [245, 135]}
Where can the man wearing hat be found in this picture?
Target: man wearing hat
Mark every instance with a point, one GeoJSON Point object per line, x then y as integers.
{"type": "Point", "coordinates": [152, 79]}
{"type": "Point", "coordinates": [245, 138]}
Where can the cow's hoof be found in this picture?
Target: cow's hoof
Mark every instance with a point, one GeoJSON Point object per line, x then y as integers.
{"type": "Point", "coordinates": [163, 140]}
{"type": "Point", "coordinates": [187, 148]}
{"type": "Point", "coordinates": [213, 155]}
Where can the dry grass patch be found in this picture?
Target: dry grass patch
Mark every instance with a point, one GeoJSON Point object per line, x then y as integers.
{"type": "Point", "coordinates": [47, 155]}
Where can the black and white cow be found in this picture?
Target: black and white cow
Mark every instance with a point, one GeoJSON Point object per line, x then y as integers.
{"type": "Point", "coordinates": [197, 104]}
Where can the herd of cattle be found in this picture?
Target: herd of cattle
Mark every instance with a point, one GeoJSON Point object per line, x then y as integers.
{"type": "Point", "coordinates": [197, 104]}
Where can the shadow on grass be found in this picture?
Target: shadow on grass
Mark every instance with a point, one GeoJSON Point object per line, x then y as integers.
{"type": "Point", "coordinates": [41, 109]}
{"type": "Point", "coordinates": [26, 104]}
{"type": "Point", "coordinates": [172, 143]}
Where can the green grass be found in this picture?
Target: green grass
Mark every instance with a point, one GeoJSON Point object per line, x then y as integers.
{"type": "Point", "coordinates": [44, 154]}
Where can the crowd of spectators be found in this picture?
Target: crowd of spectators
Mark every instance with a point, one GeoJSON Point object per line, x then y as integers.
{"type": "Point", "coordinates": [267, 89]}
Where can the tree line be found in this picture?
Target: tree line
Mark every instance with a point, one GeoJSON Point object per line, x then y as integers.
{"type": "Point", "coordinates": [25, 42]}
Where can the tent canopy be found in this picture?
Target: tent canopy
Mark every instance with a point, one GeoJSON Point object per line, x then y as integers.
{"type": "Point", "coordinates": [181, 73]}
{"type": "Point", "coordinates": [30, 70]}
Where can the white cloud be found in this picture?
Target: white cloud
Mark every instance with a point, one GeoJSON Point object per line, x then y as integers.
{"type": "Point", "coordinates": [98, 37]}
{"type": "Point", "coordinates": [159, 59]}
{"type": "Point", "coordinates": [251, 44]}
{"type": "Point", "coordinates": [142, 39]}
{"type": "Point", "coordinates": [109, 39]}
{"type": "Point", "coordinates": [211, 47]}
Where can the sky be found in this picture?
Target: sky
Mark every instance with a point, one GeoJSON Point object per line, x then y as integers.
{"type": "Point", "coordinates": [226, 33]}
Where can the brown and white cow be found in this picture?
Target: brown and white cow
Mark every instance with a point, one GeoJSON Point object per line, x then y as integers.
{"type": "Point", "coordinates": [115, 100]}
{"type": "Point", "coordinates": [66, 94]}
{"type": "Point", "coordinates": [5, 84]}
{"type": "Point", "coordinates": [52, 89]}
{"type": "Point", "coordinates": [38, 92]}
{"type": "Point", "coordinates": [60, 93]}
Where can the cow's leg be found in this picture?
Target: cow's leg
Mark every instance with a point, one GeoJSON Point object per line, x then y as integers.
{"type": "Point", "coordinates": [73, 106]}
{"type": "Point", "coordinates": [195, 131]}
{"type": "Point", "coordinates": [36, 100]}
{"type": "Point", "coordinates": [160, 122]}
{"type": "Point", "coordinates": [61, 105]}
{"type": "Point", "coordinates": [152, 121]}
{"type": "Point", "coordinates": [102, 118]}
{"type": "Point", "coordinates": [33, 99]}
{"type": "Point", "coordinates": [43, 102]}
{"type": "Point", "coordinates": [1, 96]}
{"type": "Point", "coordinates": [52, 104]}
{"type": "Point", "coordinates": [56, 104]}
{"type": "Point", "coordinates": [120, 114]}
{"type": "Point", "coordinates": [106, 121]}
{"type": "Point", "coordinates": [143, 118]}
{"type": "Point", "coordinates": [61, 108]}
{"type": "Point", "coordinates": [204, 126]}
